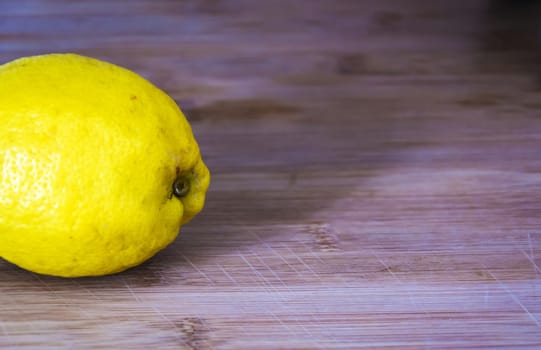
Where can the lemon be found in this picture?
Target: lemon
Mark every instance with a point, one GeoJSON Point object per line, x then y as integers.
{"type": "Point", "coordinates": [98, 167]}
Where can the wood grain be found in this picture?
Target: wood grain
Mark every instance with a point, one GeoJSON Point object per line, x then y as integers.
{"type": "Point", "coordinates": [376, 176]}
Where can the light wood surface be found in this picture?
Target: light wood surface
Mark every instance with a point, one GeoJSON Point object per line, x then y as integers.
{"type": "Point", "coordinates": [376, 176]}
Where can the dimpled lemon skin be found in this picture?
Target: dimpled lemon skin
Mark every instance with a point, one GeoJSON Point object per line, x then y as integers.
{"type": "Point", "coordinates": [89, 153]}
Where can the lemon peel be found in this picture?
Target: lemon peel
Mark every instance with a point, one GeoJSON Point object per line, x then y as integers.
{"type": "Point", "coordinates": [98, 167]}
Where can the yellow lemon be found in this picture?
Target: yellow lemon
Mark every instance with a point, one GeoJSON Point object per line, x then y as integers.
{"type": "Point", "coordinates": [98, 167]}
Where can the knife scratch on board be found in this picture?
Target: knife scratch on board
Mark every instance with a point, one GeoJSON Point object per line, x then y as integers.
{"type": "Point", "coordinates": [515, 298]}
{"type": "Point", "coordinates": [198, 269]}
{"type": "Point", "coordinates": [531, 260]}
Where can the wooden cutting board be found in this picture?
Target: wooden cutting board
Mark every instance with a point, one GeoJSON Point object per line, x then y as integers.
{"type": "Point", "coordinates": [376, 177]}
